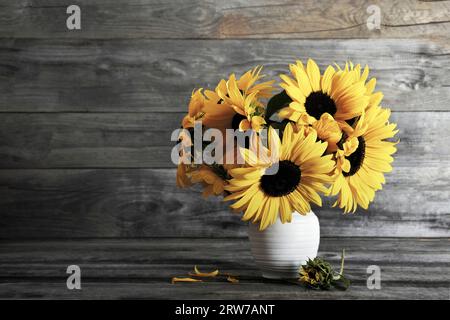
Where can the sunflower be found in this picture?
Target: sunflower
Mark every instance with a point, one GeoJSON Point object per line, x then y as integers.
{"type": "Point", "coordinates": [327, 130]}
{"type": "Point", "coordinates": [302, 172]}
{"type": "Point", "coordinates": [183, 180]}
{"type": "Point", "coordinates": [214, 178]}
{"type": "Point", "coordinates": [374, 97]}
{"type": "Point", "coordinates": [195, 115]}
{"type": "Point", "coordinates": [341, 93]}
{"type": "Point", "coordinates": [195, 109]}
{"type": "Point", "coordinates": [363, 159]}
{"type": "Point", "coordinates": [235, 103]}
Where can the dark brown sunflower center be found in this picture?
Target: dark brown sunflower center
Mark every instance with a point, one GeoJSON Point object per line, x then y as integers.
{"type": "Point", "coordinates": [237, 118]}
{"type": "Point", "coordinates": [318, 103]}
{"type": "Point", "coordinates": [356, 158]}
{"type": "Point", "coordinates": [283, 182]}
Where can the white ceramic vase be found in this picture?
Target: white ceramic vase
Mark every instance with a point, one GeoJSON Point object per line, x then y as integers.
{"type": "Point", "coordinates": [281, 249]}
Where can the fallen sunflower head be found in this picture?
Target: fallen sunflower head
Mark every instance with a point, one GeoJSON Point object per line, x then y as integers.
{"type": "Point", "coordinates": [319, 274]}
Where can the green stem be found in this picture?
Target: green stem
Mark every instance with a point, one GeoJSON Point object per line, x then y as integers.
{"type": "Point", "coordinates": [342, 262]}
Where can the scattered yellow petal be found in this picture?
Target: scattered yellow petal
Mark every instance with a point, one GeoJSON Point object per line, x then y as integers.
{"type": "Point", "coordinates": [175, 279]}
{"type": "Point", "coordinates": [197, 273]}
{"type": "Point", "coordinates": [232, 279]}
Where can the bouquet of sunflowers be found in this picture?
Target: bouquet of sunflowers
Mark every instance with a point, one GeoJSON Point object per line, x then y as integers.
{"type": "Point", "coordinates": [324, 133]}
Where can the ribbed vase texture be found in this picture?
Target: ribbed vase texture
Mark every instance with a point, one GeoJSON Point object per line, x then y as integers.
{"type": "Point", "coordinates": [281, 249]}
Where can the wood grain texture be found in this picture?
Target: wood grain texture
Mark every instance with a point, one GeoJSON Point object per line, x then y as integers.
{"type": "Point", "coordinates": [410, 269]}
{"type": "Point", "coordinates": [87, 140]}
{"type": "Point", "coordinates": [129, 203]}
{"type": "Point", "coordinates": [216, 19]}
{"type": "Point", "coordinates": [108, 140]}
{"type": "Point", "coordinates": [85, 124]}
{"type": "Point", "coordinates": [158, 75]}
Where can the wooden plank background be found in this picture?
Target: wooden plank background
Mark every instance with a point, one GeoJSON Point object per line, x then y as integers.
{"type": "Point", "coordinates": [142, 75]}
{"type": "Point", "coordinates": [215, 19]}
{"type": "Point", "coordinates": [86, 115]}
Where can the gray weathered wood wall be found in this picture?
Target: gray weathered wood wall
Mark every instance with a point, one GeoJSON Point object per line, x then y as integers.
{"type": "Point", "coordinates": [86, 116]}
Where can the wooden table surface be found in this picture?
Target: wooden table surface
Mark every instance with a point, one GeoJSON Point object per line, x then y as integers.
{"type": "Point", "coordinates": [142, 269]}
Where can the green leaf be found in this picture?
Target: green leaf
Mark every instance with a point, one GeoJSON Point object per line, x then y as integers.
{"type": "Point", "coordinates": [276, 103]}
{"type": "Point", "coordinates": [342, 283]}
